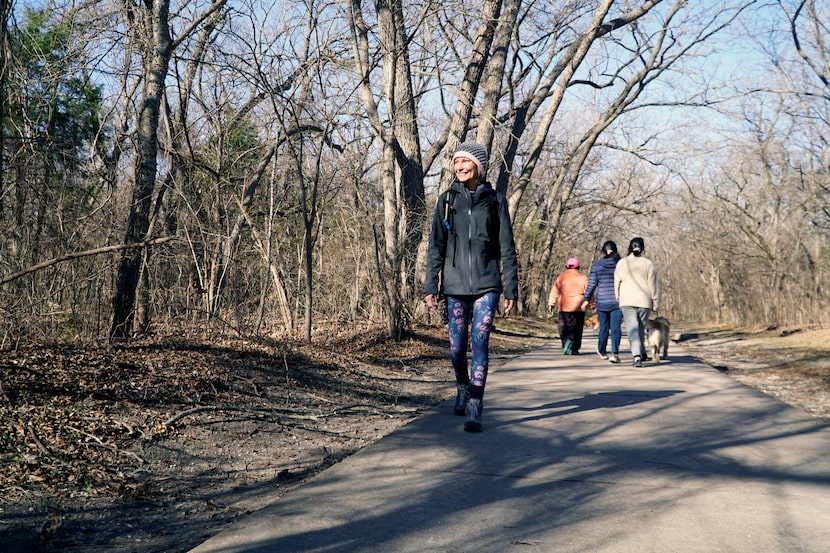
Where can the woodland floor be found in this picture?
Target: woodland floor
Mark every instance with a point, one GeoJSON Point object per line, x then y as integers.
{"type": "Point", "coordinates": [156, 445]}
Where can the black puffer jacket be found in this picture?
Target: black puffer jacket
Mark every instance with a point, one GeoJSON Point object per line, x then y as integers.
{"type": "Point", "coordinates": [467, 248]}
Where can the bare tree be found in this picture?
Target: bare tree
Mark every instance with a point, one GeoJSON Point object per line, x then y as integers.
{"type": "Point", "coordinates": [398, 136]}
{"type": "Point", "coordinates": [286, 150]}
{"type": "Point", "coordinates": [775, 201]}
{"type": "Point", "coordinates": [643, 50]}
{"type": "Point", "coordinates": [5, 12]}
{"type": "Point", "coordinates": [810, 37]}
{"type": "Point", "coordinates": [150, 22]}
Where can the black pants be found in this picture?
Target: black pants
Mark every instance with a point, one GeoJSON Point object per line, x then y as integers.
{"type": "Point", "coordinates": [570, 325]}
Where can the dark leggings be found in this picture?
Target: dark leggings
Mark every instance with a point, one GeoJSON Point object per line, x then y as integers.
{"type": "Point", "coordinates": [462, 311]}
{"type": "Point", "coordinates": [570, 325]}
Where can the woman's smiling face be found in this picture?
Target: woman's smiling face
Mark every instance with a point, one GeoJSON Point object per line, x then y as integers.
{"type": "Point", "coordinates": [466, 171]}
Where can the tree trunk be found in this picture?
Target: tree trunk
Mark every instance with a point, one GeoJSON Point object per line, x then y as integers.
{"type": "Point", "coordinates": [155, 61]}
{"type": "Point", "coordinates": [460, 122]}
{"type": "Point", "coordinates": [5, 9]}
{"type": "Point", "coordinates": [494, 76]}
{"type": "Point", "coordinates": [151, 24]}
{"type": "Point", "coordinates": [402, 171]}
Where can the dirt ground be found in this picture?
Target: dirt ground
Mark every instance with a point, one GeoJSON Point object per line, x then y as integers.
{"type": "Point", "coordinates": [156, 445]}
{"type": "Point", "coordinates": [791, 364]}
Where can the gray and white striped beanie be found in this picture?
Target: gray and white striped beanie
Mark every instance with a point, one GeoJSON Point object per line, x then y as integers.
{"type": "Point", "coordinates": [473, 151]}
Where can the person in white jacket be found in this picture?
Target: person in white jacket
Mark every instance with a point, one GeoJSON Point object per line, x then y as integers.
{"type": "Point", "coordinates": [637, 287]}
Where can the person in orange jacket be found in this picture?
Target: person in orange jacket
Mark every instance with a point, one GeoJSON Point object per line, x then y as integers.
{"type": "Point", "coordinates": [567, 293]}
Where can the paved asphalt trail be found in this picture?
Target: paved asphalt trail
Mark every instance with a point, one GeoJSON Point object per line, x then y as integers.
{"type": "Point", "coordinates": [577, 455]}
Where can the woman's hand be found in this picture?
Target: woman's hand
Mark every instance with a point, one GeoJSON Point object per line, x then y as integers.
{"type": "Point", "coordinates": [508, 306]}
{"type": "Point", "coordinates": [432, 300]}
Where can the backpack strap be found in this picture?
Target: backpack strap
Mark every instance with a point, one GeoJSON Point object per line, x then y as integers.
{"type": "Point", "coordinates": [449, 208]}
{"type": "Point", "coordinates": [494, 212]}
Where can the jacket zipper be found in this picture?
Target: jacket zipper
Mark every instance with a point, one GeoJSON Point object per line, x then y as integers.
{"type": "Point", "coordinates": [470, 238]}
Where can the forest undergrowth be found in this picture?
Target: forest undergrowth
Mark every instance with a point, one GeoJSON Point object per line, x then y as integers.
{"type": "Point", "coordinates": [157, 444]}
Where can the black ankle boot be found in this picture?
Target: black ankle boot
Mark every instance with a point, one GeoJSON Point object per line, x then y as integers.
{"type": "Point", "coordinates": [473, 422]}
{"type": "Point", "coordinates": [460, 407]}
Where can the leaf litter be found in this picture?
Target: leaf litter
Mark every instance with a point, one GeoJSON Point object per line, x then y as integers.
{"type": "Point", "coordinates": [160, 443]}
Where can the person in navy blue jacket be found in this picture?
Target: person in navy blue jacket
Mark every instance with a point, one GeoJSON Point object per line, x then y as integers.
{"type": "Point", "coordinates": [471, 260]}
{"type": "Point", "coordinates": [601, 282]}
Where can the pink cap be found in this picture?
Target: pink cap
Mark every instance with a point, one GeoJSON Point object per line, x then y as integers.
{"type": "Point", "coordinates": [572, 263]}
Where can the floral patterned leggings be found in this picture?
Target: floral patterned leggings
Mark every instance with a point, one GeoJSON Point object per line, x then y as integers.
{"type": "Point", "coordinates": [461, 312]}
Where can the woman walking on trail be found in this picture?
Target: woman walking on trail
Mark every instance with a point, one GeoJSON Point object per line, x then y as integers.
{"type": "Point", "coordinates": [601, 283]}
{"type": "Point", "coordinates": [637, 288]}
{"type": "Point", "coordinates": [568, 291]}
{"type": "Point", "coordinates": [471, 237]}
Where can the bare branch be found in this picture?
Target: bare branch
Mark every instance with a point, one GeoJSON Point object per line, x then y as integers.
{"type": "Point", "coordinates": [86, 253]}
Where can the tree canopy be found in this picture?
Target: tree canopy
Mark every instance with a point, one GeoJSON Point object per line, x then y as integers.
{"type": "Point", "coordinates": [272, 167]}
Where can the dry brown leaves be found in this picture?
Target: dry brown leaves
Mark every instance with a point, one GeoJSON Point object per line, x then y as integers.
{"type": "Point", "coordinates": [72, 418]}
{"type": "Point", "coordinates": [170, 438]}
{"type": "Point", "coordinates": [154, 445]}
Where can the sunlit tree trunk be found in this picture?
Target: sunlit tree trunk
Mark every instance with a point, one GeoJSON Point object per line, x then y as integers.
{"type": "Point", "coordinates": [402, 173]}
{"type": "Point", "coordinates": [468, 90]}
